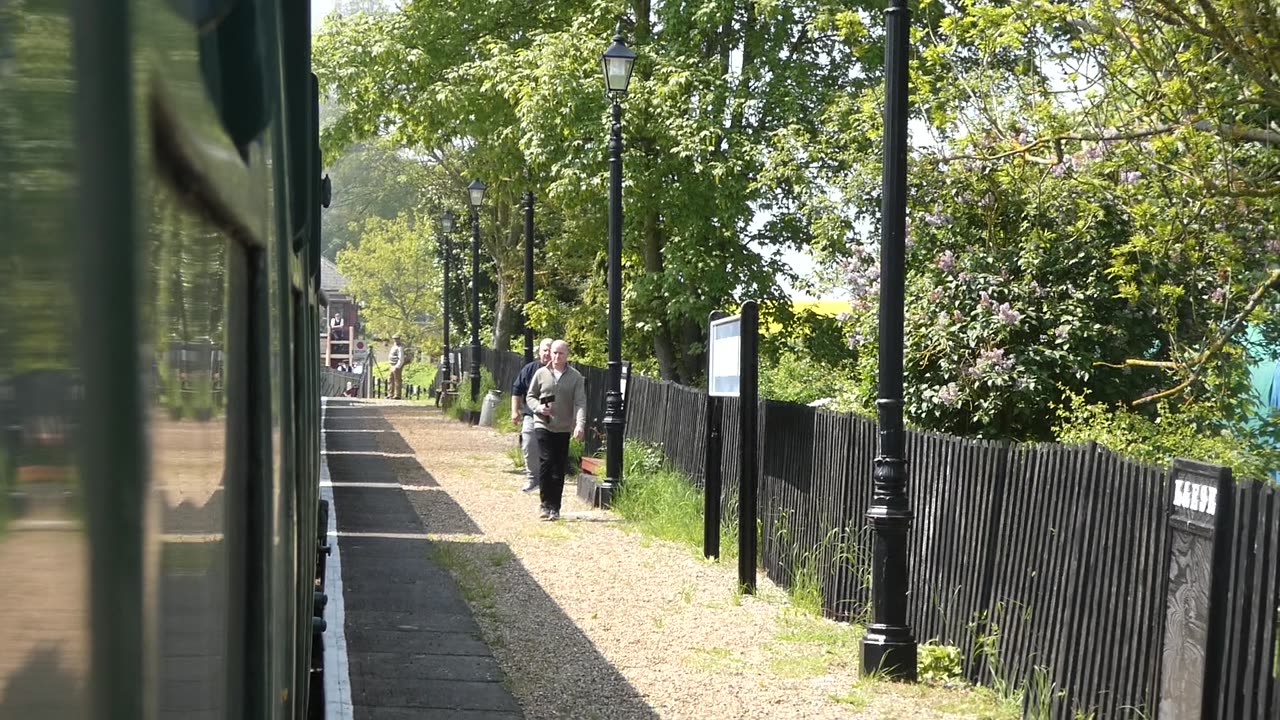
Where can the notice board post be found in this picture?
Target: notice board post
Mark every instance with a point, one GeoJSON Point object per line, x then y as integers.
{"type": "Point", "coordinates": [712, 476]}
{"type": "Point", "coordinates": [750, 408]}
{"type": "Point", "coordinates": [734, 361]}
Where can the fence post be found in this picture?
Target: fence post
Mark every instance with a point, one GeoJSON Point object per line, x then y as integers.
{"type": "Point", "coordinates": [712, 480]}
{"type": "Point", "coordinates": [1201, 517]}
{"type": "Point", "coordinates": [748, 481]}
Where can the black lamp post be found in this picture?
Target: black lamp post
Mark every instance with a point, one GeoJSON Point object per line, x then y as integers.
{"type": "Point", "coordinates": [888, 645]}
{"type": "Point", "coordinates": [616, 62]}
{"type": "Point", "coordinates": [447, 226]}
{"type": "Point", "coordinates": [528, 276]}
{"type": "Point", "coordinates": [475, 196]}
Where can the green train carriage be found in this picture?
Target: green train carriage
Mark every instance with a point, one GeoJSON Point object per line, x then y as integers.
{"type": "Point", "coordinates": [160, 195]}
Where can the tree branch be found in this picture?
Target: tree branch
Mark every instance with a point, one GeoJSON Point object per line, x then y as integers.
{"type": "Point", "coordinates": [1228, 132]}
{"type": "Point", "coordinates": [1198, 362]}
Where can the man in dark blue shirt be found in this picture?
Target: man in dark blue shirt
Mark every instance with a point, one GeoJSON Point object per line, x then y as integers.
{"type": "Point", "coordinates": [520, 412]}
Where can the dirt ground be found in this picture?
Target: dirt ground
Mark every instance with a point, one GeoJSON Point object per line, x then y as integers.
{"type": "Point", "coordinates": [591, 619]}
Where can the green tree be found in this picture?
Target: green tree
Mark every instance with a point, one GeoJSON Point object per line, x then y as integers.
{"type": "Point", "coordinates": [394, 274]}
{"type": "Point", "coordinates": [1095, 212]}
{"type": "Point", "coordinates": [370, 180]}
{"type": "Point", "coordinates": [721, 94]}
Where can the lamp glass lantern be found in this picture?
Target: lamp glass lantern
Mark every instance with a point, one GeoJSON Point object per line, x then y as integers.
{"type": "Point", "coordinates": [617, 62]}
{"type": "Point", "coordinates": [475, 193]}
{"type": "Point", "coordinates": [447, 222]}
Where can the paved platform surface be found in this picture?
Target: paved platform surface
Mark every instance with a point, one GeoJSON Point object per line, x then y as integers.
{"type": "Point", "coordinates": [413, 648]}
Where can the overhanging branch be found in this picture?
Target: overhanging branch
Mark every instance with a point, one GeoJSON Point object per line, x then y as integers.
{"type": "Point", "coordinates": [1237, 133]}
{"type": "Point", "coordinates": [1195, 367]}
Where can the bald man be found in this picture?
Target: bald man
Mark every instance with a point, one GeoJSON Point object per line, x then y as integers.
{"type": "Point", "coordinates": [558, 399]}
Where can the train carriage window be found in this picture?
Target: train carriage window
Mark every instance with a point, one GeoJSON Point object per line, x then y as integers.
{"type": "Point", "coordinates": [199, 288]}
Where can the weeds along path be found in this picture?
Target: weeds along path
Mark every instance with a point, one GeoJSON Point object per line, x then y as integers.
{"type": "Point", "coordinates": [591, 619]}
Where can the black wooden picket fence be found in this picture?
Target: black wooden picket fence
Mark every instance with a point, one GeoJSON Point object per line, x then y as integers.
{"type": "Point", "coordinates": [409, 391]}
{"type": "Point", "coordinates": [1044, 563]}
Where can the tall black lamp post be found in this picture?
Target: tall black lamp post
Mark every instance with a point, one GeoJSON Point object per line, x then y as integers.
{"type": "Point", "coordinates": [616, 62]}
{"type": "Point", "coordinates": [447, 226]}
{"type": "Point", "coordinates": [475, 196]}
{"type": "Point", "coordinates": [528, 276]}
{"type": "Point", "coordinates": [888, 645]}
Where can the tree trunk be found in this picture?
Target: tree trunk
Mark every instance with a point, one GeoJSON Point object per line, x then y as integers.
{"type": "Point", "coordinates": [663, 348]}
{"type": "Point", "coordinates": [691, 363]}
{"type": "Point", "coordinates": [506, 317]}
{"type": "Point", "coordinates": [510, 295]}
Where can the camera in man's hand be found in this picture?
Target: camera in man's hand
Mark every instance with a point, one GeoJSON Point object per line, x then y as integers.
{"type": "Point", "coordinates": [544, 404]}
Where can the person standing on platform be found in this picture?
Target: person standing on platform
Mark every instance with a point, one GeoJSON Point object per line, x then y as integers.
{"type": "Point", "coordinates": [396, 359]}
{"type": "Point", "coordinates": [557, 397]}
{"type": "Point", "coordinates": [520, 413]}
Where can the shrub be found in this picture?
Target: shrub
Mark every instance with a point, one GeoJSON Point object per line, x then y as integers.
{"type": "Point", "coordinates": [1183, 430]}
{"type": "Point", "coordinates": [938, 663]}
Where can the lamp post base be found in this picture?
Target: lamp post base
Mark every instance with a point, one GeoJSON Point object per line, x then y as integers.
{"type": "Point", "coordinates": [597, 493]}
{"type": "Point", "coordinates": [891, 651]}
{"type": "Point", "coordinates": [605, 494]}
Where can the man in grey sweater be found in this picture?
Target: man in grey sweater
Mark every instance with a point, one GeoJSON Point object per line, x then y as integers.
{"type": "Point", "coordinates": [558, 399]}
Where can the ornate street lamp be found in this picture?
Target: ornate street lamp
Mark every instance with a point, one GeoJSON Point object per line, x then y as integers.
{"type": "Point", "coordinates": [447, 227]}
{"type": "Point", "coordinates": [528, 276]}
{"type": "Point", "coordinates": [475, 196]}
{"type": "Point", "coordinates": [888, 645]}
{"type": "Point", "coordinates": [616, 62]}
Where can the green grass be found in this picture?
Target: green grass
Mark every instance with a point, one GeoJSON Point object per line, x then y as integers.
{"type": "Point", "coordinates": [500, 557]}
{"type": "Point", "coordinates": [662, 503]}
{"type": "Point", "coordinates": [715, 659]}
{"type": "Point", "coordinates": [477, 590]}
{"type": "Point", "coordinates": [516, 457]}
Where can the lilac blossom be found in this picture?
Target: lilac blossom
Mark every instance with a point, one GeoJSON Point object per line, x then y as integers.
{"type": "Point", "coordinates": [1130, 177]}
{"type": "Point", "coordinates": [949, 394]}
{"type": "Point", "coordinates": [938, 217]}
{"type": "Point", "coordinates": [1218, 295]}
{"type": "Point", "coordinates": [1007, 314]}
{"type": "Point", "coordinates": [946, 261]}
{"type": "Point", "coordinates": [993, 362]}
{"type": "Point", "coordinates": [984, 300]}
{"type": "Point", "coordinates": [1273, 245]}
{"type": "Point", "coordinates": [1060, 332]}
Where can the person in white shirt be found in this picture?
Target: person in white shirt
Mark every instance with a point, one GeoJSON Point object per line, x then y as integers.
{"type": "Point", "coordinates": [396, 359]}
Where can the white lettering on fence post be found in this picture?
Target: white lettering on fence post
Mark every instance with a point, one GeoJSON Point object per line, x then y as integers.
{"type": "Point", "coordinates": [1194, 496]}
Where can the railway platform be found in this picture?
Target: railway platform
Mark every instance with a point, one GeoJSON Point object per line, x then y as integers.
{"type": "Point", "coordinates": [402, 642]}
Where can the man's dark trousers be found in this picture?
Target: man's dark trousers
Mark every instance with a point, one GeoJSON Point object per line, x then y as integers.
{"type": "Point", "coordinates": [553, 460]}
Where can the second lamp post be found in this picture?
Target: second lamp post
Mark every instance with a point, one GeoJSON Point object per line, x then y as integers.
{"type": "Point", "coordinates": [447, 227]}
{"type": "Point", "coordinates": [475, 196]}
{"type": "Point", "coordinates": [616, 62]}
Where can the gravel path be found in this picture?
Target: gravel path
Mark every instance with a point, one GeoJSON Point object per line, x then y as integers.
{"type": "Point", "coordinates": [591, 620]}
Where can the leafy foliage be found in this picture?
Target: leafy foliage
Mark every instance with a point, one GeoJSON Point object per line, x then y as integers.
{"type": "Point", "coordinates": [370, 180]}
{"type": "Point", "coordinates": [1252, 451]}
{"type": "Point", "coordinates": [939, 663]}
{"type": "Point", "coordinates": [721, 92]}
{"type": "Point", "coordinates": [1092, 214]}
{"type": "Point", "coordinates": [395, 276]}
